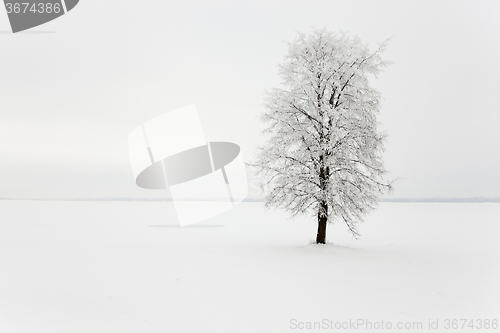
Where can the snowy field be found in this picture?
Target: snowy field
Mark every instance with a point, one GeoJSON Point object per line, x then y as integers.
{"type": "Point", "coordinates": [118, 267]}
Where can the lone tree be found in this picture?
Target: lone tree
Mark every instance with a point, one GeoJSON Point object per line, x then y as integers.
{"type": "Point", "coordinates": [323, 154]}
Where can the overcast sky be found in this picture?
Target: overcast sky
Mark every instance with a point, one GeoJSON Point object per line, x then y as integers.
{"type": "Point", "coordinates": [73, 89]}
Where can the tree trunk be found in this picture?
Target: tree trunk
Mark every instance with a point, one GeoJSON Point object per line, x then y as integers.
{"type": "Point", "coordinates": [322, 220]}
{"type": "Point", "coordinates": [324, 173]}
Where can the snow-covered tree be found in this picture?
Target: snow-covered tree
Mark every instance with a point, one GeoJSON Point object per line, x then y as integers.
{"type": "Point", "coordinates": [323, 154]}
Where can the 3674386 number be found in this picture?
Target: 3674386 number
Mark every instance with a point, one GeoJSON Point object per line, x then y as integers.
{"type": "Point", "coordinates": [40, 7]}
{"type": "Point", "coordinates": [470, 324]}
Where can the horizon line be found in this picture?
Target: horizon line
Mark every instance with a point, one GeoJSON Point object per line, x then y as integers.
{"type": "Point", "coordinates": [402, 199]}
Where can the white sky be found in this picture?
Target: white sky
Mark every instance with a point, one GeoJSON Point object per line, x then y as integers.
{"type": "Point", "coordinates": [69, 98]}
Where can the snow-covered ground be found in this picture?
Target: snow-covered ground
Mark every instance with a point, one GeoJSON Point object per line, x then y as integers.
{"type": "Point", "coordinates": [127, 267]}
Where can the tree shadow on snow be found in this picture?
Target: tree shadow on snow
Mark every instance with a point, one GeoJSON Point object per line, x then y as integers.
{"type": "Point", "coordinates": [194, 226]}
